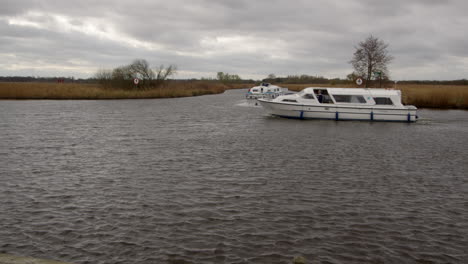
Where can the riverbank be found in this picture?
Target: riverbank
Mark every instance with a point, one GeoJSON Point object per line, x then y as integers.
{"type": "Point", "coordinates": [75, 91]}
{"type": "Point", "coordinates": [419, 95]}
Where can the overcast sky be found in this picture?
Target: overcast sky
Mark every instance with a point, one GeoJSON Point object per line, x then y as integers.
{"type": "Point", "coordinates": [251, 38]}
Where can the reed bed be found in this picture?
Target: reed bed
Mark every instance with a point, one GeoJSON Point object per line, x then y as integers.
{"type": "Point", "coordinates": [435, 96]}
{"type": "Point", "coordinates": [73, 91]}
{"type": "Point", "coordinates": [419, 95]}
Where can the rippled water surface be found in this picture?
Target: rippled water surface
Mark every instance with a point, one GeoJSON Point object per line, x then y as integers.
{"type": "Point", "coordinates": [212, 179]}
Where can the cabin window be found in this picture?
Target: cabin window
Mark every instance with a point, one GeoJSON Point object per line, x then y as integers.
{"type": "Point", "coordinates": [290, 100]}
{"type": "Point", "coordinates": [254, 90]}
{"type": "Point", "coordinates": [383, 101]}
{"type": "Point", "coordinates": [308, 96]}
{"type": "Point", "coordinates": [323, 96]}
{"type": "Point", "coordinates": [356, 99]}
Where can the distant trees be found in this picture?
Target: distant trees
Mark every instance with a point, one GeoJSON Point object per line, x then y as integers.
{"type": "Point", "coordinates": [299, 79]}
{"type": "Point", "coordinates": [226, 77]}
{"type": "Point", "coordinates": [370, 59]}
{"type": "Point", "coordinates": [122, 77]}
{"type": "Point", "coordinates": [271, 76]}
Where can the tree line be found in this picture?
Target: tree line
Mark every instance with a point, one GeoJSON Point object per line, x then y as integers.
{"type": "Point", "coordinates": [290, 79]}
{"type": "Point", "coordinates": [303, 79]}
{"type": "Point", "coordinates": [225, 77]}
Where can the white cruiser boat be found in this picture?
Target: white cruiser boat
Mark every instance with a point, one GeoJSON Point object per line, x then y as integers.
{"type": "Point", "coordinates": [264, 90]}
{"type": "Point", "coordinates": [342, 104]}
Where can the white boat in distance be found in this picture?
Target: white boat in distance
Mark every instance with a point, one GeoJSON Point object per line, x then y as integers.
{"type": "Point", "coordinates": [264, 90]}
{"type": "Point", "coordinates": [342, 104]}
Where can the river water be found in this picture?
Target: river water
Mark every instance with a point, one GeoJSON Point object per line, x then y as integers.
{"type": "Point", "coordinates": [213, 179]}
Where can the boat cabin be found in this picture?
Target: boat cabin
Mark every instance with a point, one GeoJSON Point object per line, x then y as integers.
{"type": "Point", "coordinates": [263, 90]}
{"type": "Point", "coordinates": [359, 96]}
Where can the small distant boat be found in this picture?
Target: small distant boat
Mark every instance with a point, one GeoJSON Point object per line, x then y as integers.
{"type": "Point", "coordinates": [342, 104]}
{"type": "Point", "coordinates": [264, 90]}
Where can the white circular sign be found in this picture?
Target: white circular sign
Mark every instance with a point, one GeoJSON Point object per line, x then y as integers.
{"type": "Point", "coordinates": [359, 81]}
{"type": "Point", "coordinates": [136, 81]}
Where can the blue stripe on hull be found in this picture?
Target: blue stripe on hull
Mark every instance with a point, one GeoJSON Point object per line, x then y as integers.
{"type": "Point", "coordinates": [341, 119]}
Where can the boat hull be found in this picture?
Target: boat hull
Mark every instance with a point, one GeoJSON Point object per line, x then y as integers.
{"type": "Point", "coordinates": [338, 112]}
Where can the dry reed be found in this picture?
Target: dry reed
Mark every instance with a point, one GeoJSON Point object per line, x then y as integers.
{"type": "Point", "coordinates": [435, 96]}
{"type": "Point", "coordinates": [57, 91]}
{"type": "Point", "coordinates": [419, 95]}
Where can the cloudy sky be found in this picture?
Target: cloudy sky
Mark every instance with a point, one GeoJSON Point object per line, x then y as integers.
{"type": "Point", "coordinates": [251, 38]}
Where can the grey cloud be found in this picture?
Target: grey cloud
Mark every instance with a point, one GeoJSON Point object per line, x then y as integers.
{"type": "Point", "coordinates": [317, 36]}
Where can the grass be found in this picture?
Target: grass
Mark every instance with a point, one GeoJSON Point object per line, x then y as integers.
{"type": "Point", "coordinates": [57, 91]}
{"type": "Point", "coordinates": [419, 95]}
{"type": "Point", "coordinates": [435, 96]}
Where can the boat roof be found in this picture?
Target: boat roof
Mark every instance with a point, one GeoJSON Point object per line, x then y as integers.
{"type": "Point", "coordinates": [355, 91]}
{"type": "Point", "coordinates": [267, 85]}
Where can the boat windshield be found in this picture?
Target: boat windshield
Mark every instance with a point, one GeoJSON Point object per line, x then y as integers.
{"type": "Point", "coordinates": [322, 96]}
{"type": "Point", "coordinates": [308, 96]}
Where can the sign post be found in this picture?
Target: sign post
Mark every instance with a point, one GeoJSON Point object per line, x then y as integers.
{"type": "Point", "coordinates": [136, 81]}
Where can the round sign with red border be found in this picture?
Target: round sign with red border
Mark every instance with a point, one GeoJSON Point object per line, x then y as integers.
{"type": "Point", "coordinates": [136, 81]}
{"type": "Point", "coordinates": [359, 81]}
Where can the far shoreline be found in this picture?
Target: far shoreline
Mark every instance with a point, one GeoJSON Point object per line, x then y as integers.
{"type": "Point", "coordinates": [442, 97]}
{"type": "Point", "coordinates": [77, 91]}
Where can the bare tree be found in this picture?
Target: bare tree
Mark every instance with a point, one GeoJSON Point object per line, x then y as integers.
{"type": "Point", "coordinates": [122, 77]}
{"type": "Point", "coordinates": [141, 69]}
{"type": "Point", "coordinates": [371, 56]}
{"type": "Point", "coordinates": [163, 73]}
